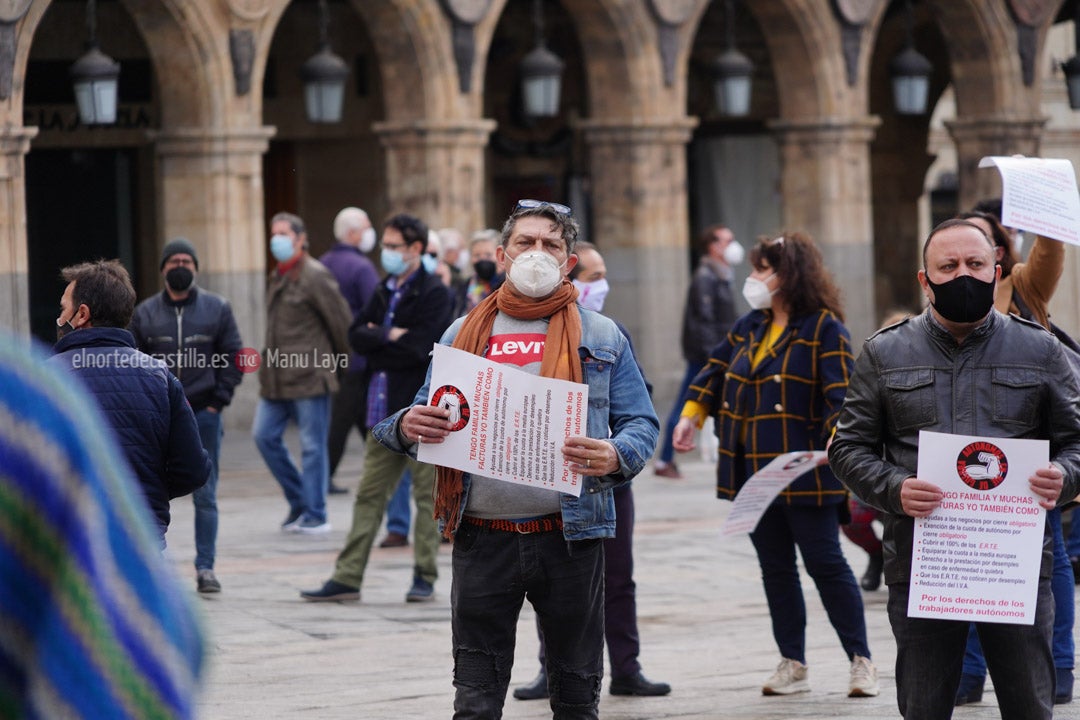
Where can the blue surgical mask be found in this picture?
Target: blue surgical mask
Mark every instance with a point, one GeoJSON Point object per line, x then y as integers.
{"type": "Point", "coordinates": [281, 247]}
{"type": "Point", "coordinates": [430, 263]}
{"type": "Point", "coordinates": [393, 261]}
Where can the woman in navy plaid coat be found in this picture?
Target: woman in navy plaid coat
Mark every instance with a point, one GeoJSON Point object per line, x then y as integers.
{"type": "Point", "coordinates": [774, 385]}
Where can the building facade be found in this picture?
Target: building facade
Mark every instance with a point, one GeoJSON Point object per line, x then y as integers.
{"type": "Point", "coordinates": [212, 138]}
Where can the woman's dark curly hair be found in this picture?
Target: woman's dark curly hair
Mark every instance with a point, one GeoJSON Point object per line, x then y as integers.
{"type": "Point", "coordinates": [805, 285]}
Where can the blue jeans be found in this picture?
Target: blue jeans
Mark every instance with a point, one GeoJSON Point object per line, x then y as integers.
{"type": "Point", "coordinates": [816, 532]}
{"type": "Point", "coordinates": [1063, 587]}
{"type": "Point", "coordinates": [1072, 543]}
{"type": "Point", "coordinates": [494, 572]}
{"type": "Point", "coordinates": [305, 491]}
{"type": "Point", "coordinates": [205, 498]}
{"type": "Point", "coordinates": [398, 512]}
{"type": "Point", "coordinates": [930, 653]}
{"type": "Point", "coordinates": [667, 450]}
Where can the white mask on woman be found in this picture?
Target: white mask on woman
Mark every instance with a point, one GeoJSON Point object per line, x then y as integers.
{"type": "Point", "coordinates": [535, 274]}
{"type": "Point", "coordinates": [757, 293]}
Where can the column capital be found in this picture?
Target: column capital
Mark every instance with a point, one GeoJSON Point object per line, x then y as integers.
{"type": "Point", "coordinates": [666, 131]}
{"type": "Point", "coordinates": [434, 133]}
{"type": "Point", "coordinates": [826, 129]}
{"type": "Point", "coordinates": [15, 140]}
{"type": "Point", "coordinates": [198, 141]}
{"type": "Point", "coordinates": [996, 130]}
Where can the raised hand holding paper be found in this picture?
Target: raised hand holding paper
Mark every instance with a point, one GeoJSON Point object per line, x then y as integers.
{"type": "Point", "coordinates": [1039, 195]}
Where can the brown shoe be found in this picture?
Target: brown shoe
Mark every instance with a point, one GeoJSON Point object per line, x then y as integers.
{"type": "Point", "coordinates": [394, 539]}
{"type": "Point", "coordinates": [671, 470]}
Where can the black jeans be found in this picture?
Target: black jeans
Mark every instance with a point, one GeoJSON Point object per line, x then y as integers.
{"type": "Point", "coordinates": [930, 653]}
{"type": "Point", "coordinates": [494, 572]}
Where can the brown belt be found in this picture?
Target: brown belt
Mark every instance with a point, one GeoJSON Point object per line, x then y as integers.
{"type": "Point", "coordinates": [546, 523]}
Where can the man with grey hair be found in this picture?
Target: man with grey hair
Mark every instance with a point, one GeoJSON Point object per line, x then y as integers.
{"type": "Point", "coordinates": [356, 276]}
{"type": "Point", "coordinates": [533, 322]}
{"type": "Point", "coordinates": [307, 323]}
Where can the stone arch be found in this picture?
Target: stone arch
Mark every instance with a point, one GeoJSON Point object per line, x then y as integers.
{"type": "Point", "coordinates": [808, 66]}
{"type": "Point", "coordinates": [416, 60]}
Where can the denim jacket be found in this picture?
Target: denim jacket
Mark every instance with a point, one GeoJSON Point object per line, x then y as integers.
{"type": "Point", "coordinates": [620, 410]}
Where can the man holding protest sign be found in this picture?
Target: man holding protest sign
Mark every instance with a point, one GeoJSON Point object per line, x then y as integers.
{"type": "Point", "coordinates": [958, 368]}
{"type": "Point", "coordinates": [496, 523]}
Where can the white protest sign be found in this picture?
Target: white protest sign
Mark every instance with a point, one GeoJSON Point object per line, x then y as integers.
{"type": "Point", "coordinates": [977, 556]}
{"type": "Point", "coordinates": [508, 424]}
{"type": "Point", "coordinates": [763, 486]}
{"type": "Point", "coordinates": [1039, 195]}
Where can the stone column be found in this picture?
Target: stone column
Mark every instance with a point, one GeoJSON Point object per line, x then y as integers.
{"type": "Point", "coordinates": [14, 254]}
{"type": "Point", "coordinates": [211, 192]}
{"type": "Point", "coordinates": [825, 186]}
{"type": "Point", "coordinates": [641, 224]}
{"type": "Point", "coordinates": [435, 169]}
{"type": "Point", "coordinates": [977, 137]}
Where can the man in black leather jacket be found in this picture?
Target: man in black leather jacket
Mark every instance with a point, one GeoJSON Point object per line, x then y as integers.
{"type": "Point", "coordinates": [965, 369]}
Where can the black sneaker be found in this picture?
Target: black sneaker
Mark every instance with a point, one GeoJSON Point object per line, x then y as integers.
{"type": "Point", "coordinates": [207, 582]}
{"type": "Point", "coordinates": [291, 519]}
{"type": "Point", "coordinates": [421, 591]}
{"type": "Point", "coordinates": [332, 591]}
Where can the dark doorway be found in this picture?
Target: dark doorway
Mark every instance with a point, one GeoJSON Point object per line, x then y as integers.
{"type": "Point", "coordinates": [80, 206]}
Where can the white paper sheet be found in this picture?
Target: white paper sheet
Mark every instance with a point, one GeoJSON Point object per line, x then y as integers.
{"type": "Point", "coordinates": [509, 424]}
{"type": "Point", "coordinates": [763, 486]}
{"type": "Point", "coordinates": [1039, 195]}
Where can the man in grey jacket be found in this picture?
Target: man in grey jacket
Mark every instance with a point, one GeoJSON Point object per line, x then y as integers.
{"type": "Point", "coordinates": [194, 332]}
{"type": "Point", "coordinates": [959, 368]}
{"type": "Point", "coordinates": [307, 322]}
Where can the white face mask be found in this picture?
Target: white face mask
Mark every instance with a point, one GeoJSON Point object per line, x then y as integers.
{"type": "Point", "coordinates": [591, 295]}
{"type": "Point", "coordinates": [535, 274]}
{"type": "Point", "coordinates": [757, 293]}
{"type": "Point", "coordinates": [734, 253]}
{"type": "Point", "coordinates": [367, 240]}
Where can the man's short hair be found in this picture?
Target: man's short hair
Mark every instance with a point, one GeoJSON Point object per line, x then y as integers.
{"type": "Point", "coordinates": [582, 246]}
{"type": "Point", "coordinates": [349, 219]}
{"type": "Point", "coordinates": [566, 224]}
{"type": "Point", "coordinates": [294, 221]}
{"type": "Point", "coordinates": [105, 287]}
{"type": "Point", "coordinates": [412, 228]}
{"type": "Point", "coordinates": [485, 235]}
{"type": "Point", "coordinates": [708, 237]}
{"type": "Point", "coordinates": [951, 223]}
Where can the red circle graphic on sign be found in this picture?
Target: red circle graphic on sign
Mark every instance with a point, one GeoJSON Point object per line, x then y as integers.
{"type": "Point", "coordinates": [452, 399]}
{"type": "Point", "coordinates": [982, 465]}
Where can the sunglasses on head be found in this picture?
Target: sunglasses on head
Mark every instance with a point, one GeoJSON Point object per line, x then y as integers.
{"type": "Point", "coordinates": [533, 204]}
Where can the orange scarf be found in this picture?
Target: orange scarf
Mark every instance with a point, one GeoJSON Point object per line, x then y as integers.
{"type": "Point", "coordinates": [560, 360]}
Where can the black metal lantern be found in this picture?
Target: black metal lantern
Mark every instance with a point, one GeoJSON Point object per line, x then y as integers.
{"type": "Point", "coordinates": [95, 77]}
{"type": "Point", "coordinates": [541, 74]}
{"type": "Point", "coordinates": [910, 73]}
{"type": "Point", "coordinates": [732, 72]}
{"type": "Point", "coordinates": [324, 76]}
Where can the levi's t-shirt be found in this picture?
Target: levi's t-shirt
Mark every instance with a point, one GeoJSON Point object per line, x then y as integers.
{"type": "Point", "coordinates": [520, 343]}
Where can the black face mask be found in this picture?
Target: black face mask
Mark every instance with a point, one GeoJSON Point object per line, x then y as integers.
{"type": "Point", "coordinates": [484, 269]}
{"type": "Point", "coordinates": [963, 299]}
{"type": "Point", "coordinates": [179, 279]}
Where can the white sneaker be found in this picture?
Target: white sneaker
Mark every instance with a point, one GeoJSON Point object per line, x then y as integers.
{"type": "Point", "coordinates": [309, 527]}
{"type": "Point", "coordinates": [790, 678]}
{"type": "Point", "coordinates": [864, 681]}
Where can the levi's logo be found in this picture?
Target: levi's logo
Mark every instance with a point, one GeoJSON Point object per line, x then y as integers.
{"type": "Point", "coordinates": [517, 348]}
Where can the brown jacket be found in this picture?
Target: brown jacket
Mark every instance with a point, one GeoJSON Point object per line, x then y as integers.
{"type": "Point", "coordinates": [307, 323]}
{"type": "Point", "coordinates": [1035, 280]}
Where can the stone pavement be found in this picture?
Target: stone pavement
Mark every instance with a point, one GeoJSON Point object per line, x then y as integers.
{"type": "Point", "coordinates": [701, 609]}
